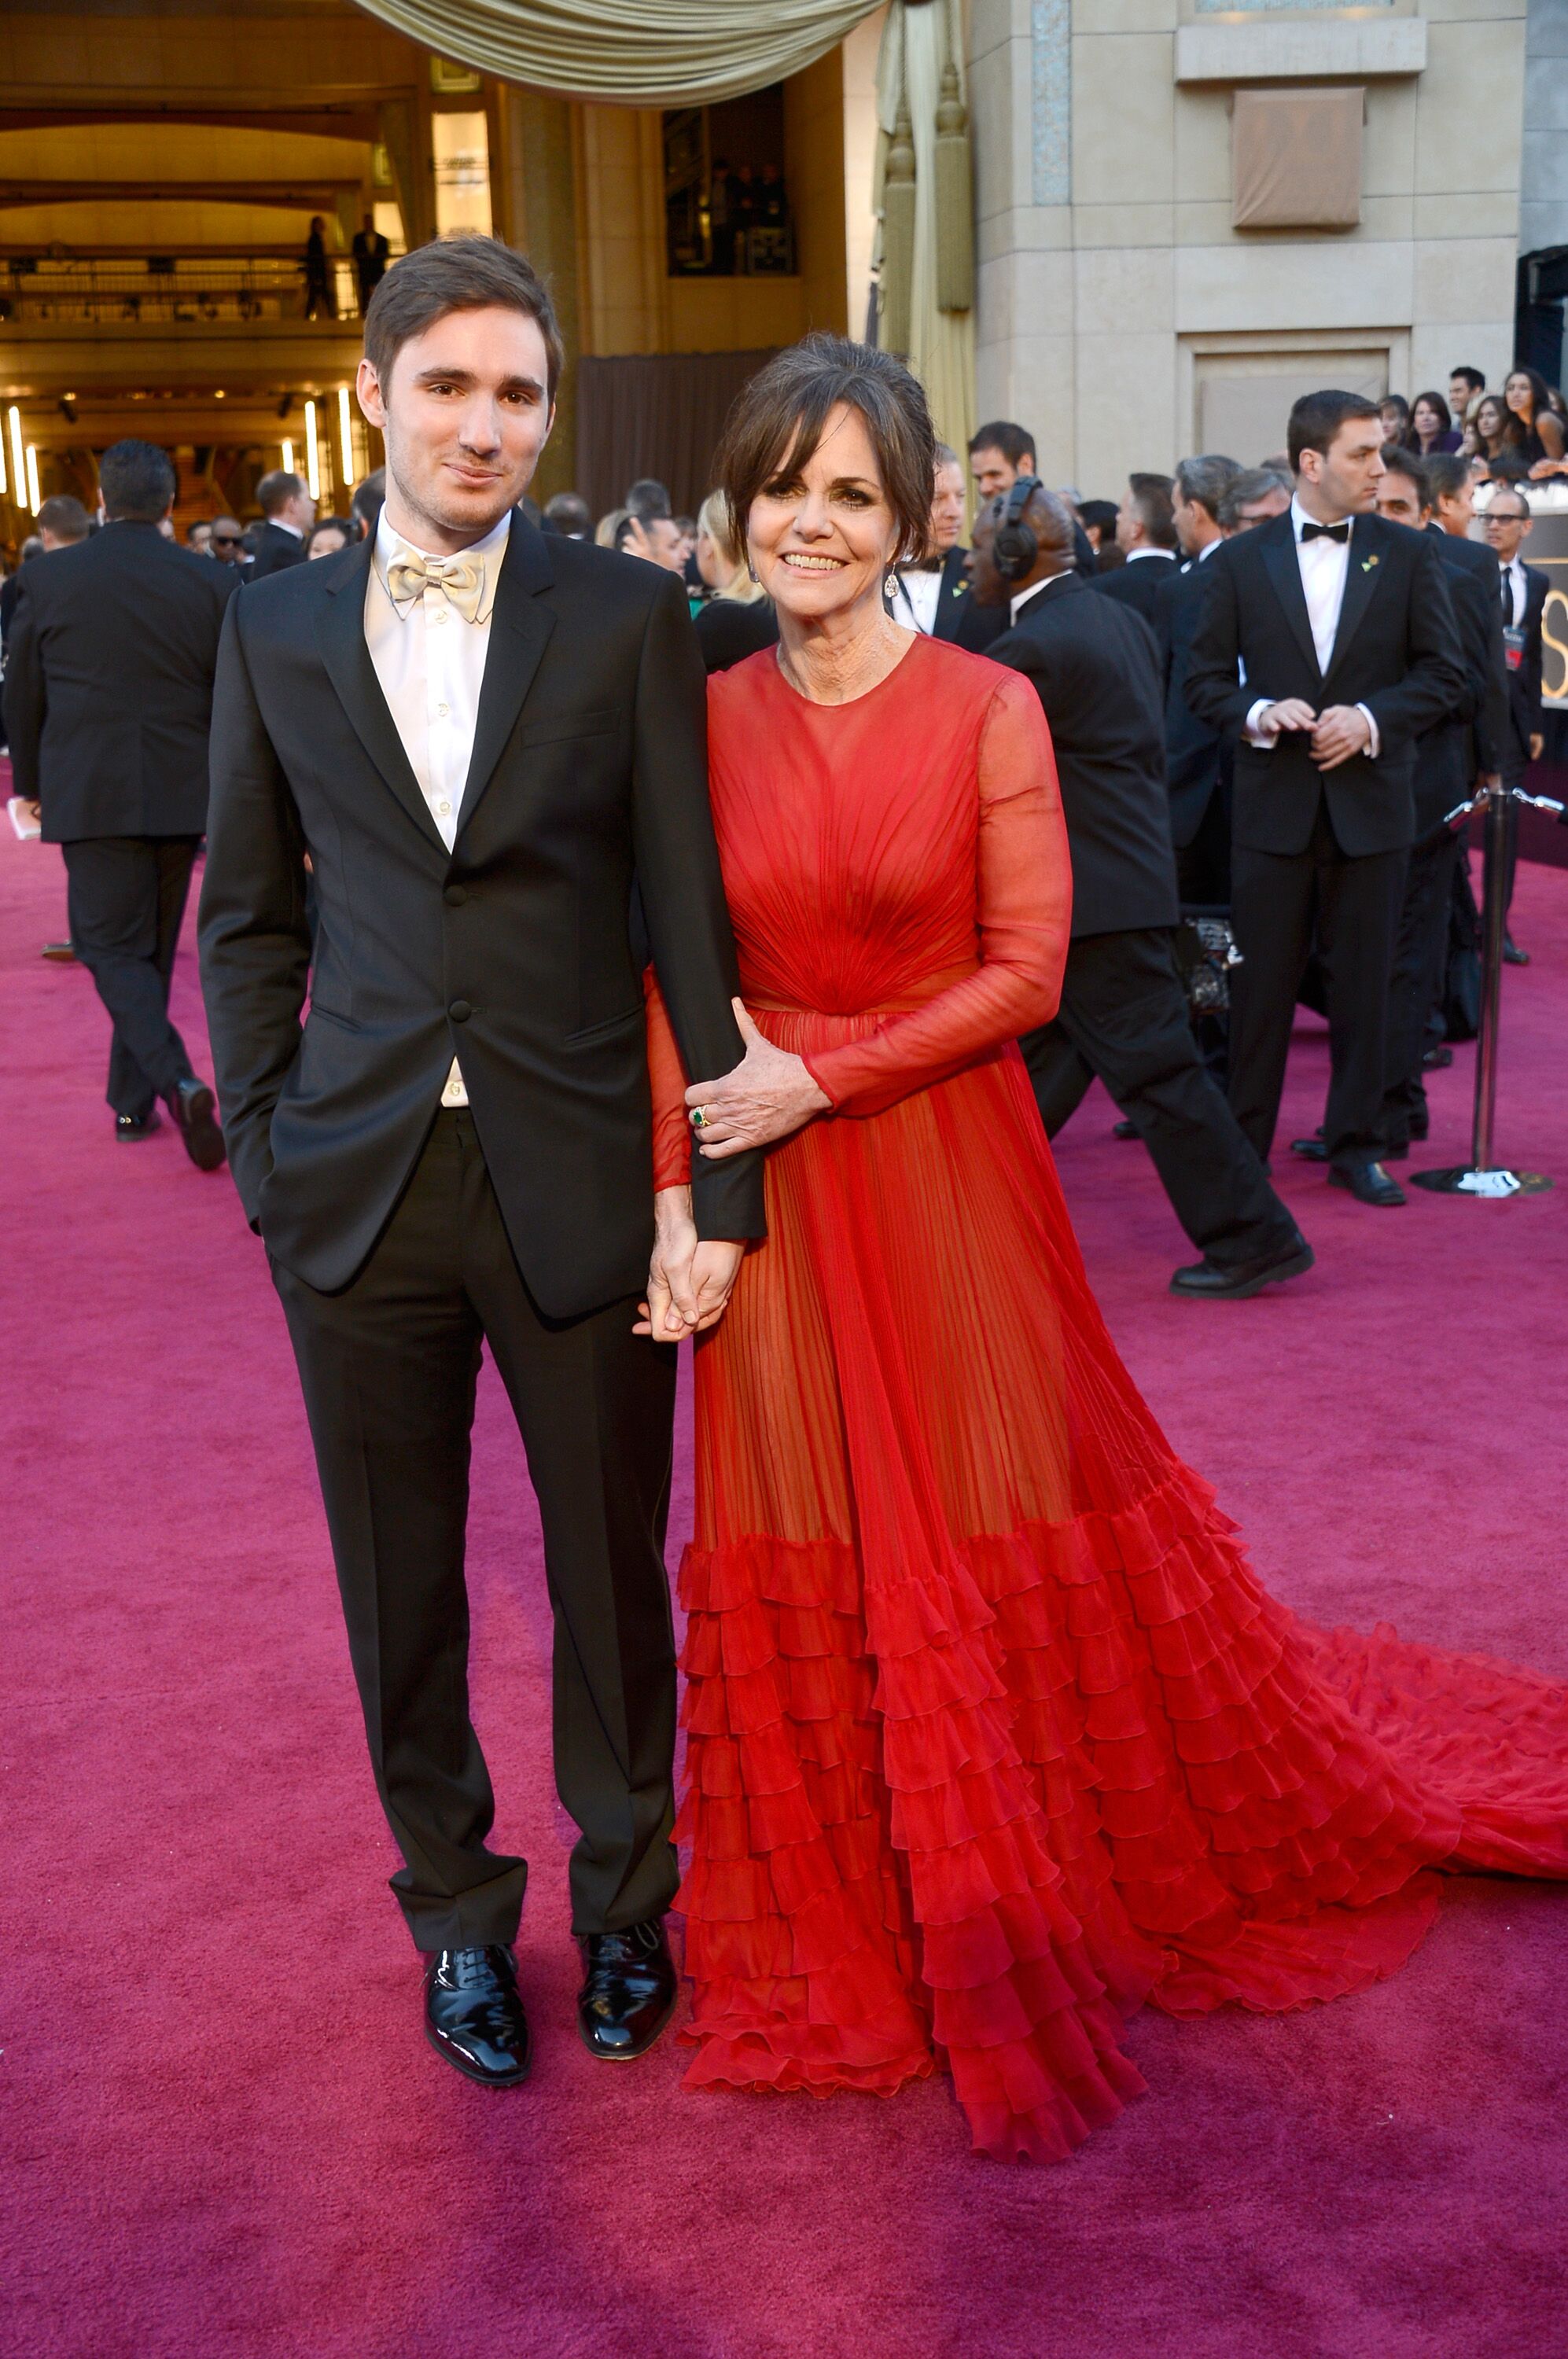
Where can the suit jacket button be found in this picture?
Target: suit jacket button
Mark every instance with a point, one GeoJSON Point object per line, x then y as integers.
{"type": "Point", "coordinates": [455, 896]}
{"type": "Point", "coordinates": [459, 1011]}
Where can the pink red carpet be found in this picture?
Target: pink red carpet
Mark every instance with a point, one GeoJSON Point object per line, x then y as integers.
{"type": "Point", "coordinates": [221, 2133]}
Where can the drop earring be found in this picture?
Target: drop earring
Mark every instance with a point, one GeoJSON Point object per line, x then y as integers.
{"type": "Point", "coordinates": [890, 586]}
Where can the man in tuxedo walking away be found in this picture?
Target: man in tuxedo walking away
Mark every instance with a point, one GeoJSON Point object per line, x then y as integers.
{"type": "Point", "coordinates": [1521, 592]}
{"type": "Point", "coordinates": [288, 512]}
{"type": "Point", "coordinates": [1448, 758]}
{"type": "Point", "coordinates": [492, 748]}
{"type": "Point", "coordinates": [1197, 756]}
{"type": "Point", "coordinates": [1124, 1013]}
{"type": "Point", "coordinates": [1327, 641]}
{"type": "Point", "coordinates": [1146, 533]}
{"type": "Point", "coordinates": [108, 701]}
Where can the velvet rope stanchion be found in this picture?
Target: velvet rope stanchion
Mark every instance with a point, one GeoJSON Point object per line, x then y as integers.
{"type": "Point", "coordinates": [1481, 1175]}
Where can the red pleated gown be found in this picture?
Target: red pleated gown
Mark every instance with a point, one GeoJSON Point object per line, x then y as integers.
{"type": "Point", "coordinates": [992, 1732]}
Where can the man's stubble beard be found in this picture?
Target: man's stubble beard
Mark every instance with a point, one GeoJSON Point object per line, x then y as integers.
{"type": "Point", "coordinates": [448, 517]}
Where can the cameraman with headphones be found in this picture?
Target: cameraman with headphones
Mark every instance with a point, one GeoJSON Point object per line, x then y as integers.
{"type": "Point", "coordinates": [1096, 668]}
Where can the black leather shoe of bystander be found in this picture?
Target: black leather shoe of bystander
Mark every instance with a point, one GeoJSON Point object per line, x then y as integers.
{"type": "Point", "coordinates": [1212, 1282]}
{"type": "Point", "coordinates": [195, 1109]}
{"type": "Point", "coordinates": [1368, 1183]}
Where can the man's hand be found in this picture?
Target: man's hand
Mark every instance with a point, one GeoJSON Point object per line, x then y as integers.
{"type": "Point", "coordinates": [1537, 746]}
{"type": "Point", "coordinates": [769, 1095]}
{"type": "Point", "coordinates": [690, 1281]}
{"type": "Point", "coordinates": [1342, 732]}
{"type": "Point", "coordinates": [671, 1309]}
{"type": "Point", "coordinates": [1291, 712]}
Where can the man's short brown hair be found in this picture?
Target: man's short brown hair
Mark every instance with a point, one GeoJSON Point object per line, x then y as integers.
{"type": "Point", "coordinates": [778, 420]}
{"type": "Point", "coordinates": [462, 273]}
{"type": "Point", "coordinates": [64, 516]}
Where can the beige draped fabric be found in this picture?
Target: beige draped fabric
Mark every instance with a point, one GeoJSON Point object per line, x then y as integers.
{"type": "Point", "coordinates": [919, 45]}
{"type": "Point", "coordinates": [640, 52]}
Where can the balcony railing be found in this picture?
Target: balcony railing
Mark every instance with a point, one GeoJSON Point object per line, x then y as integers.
{"type": "Point", "coordinates": [211, 288]}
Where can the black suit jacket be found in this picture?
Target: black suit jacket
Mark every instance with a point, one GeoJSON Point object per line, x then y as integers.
{"type": "Point", "coordinates": [275, 550]}
{"type": "Point", "coordinates": [1446, 754]}
{"type": "Point", "coordinates": [954, 598]}
{"type": "Point", "coordinates": [1096, 672]}
{"type": "Point", "coordinates": [1485, 661]}
{"type": "Point", "coordinates": [519, 951]}
{"type": "Point", "coordinates": [1525, 682]}
{"type": "Point", "coordinates": [1139, 584]}
{"type": "Point", "coordinates": [1395, 650]}
{"type": "Point", "coordinates": [109, 684]}
{"type": "Point", "coordinates": [1196, 753]}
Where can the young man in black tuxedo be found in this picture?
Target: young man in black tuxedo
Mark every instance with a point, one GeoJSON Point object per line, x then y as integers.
{"type": "Point", "coordinates": [492, 748]}
{"type": "Point", "coordinates": [288, 512]}
{"type": "Point", "coordinates": [1326, 645]}
{"type": "Point", "coordinates": [1146, 534]}
{"type": "Point", "coordinates": [108, 701]}
{"type": "Point", "coordinates": [1197, 756]}
{"type": "Point", "coordinates": [1124, 1013]}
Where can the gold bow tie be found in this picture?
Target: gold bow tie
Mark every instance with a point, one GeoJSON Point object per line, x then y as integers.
{"type": "Point", "coordinates": [460, 579]}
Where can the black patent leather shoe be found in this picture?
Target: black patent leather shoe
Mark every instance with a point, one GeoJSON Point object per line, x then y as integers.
{"type": "Point", "coordinates": [1368, 1183]}
{"type": "Point", "coordinates": [1513, 954]}
{"type": "Point", "coordinates": [475, 2018]}
{"type": "Point", "coordinates": [195, 1110]}
{"type": "Point", "coordinates": [1124, 1129]}
{"type": "Point", "coordinates": [1311, 1150]}
{"type": "Point", "coordinates": [132, 1126]}
{"type": "Point", "coordinates": [1211, 1281]}
{"type": "Point", "coordinates": [629, 1992]}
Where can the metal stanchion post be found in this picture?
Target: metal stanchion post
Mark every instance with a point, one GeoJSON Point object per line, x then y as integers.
{"type": "Point", "coordinates": [1481, 1175]}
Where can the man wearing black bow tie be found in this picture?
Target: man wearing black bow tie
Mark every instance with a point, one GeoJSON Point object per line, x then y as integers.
{"type": "Point", "coordinates": [1326, 646]}
{"type": "Point", "coordinates": [492, 748]}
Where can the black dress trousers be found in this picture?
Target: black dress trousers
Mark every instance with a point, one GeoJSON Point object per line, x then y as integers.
{"type": "Point", "coordinates": [126, 896]}
{"type": "Point", "coordinates": [1415, 985]}
{"type": "Point", "coordinates": [388, 1367]}
{"type": "Point", "coordinates": [1276, 898]}
{"type": "Point", "coordinates": [1123, 1017]}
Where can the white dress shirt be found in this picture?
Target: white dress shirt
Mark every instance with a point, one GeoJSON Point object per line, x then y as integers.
{"type": "Point", "coordinates": [1016, 605]}
{"type": "Point", "coordinates": [1325, 568]}
{"type": "Point", "coordinates": [429, 660]}
{"type": "Point", "coordinates": [1512, 573]}
{"type": "Point", "coordinates": [920, 589]}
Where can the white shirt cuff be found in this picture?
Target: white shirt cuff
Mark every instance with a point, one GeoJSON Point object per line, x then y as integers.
{"type": "Point", "coordinates": [1375, 742]}
{"type": "Point", "coordinates": [1262, 738]}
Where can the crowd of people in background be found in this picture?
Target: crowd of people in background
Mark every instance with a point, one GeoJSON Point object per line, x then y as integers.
{"type": "Point", "coordinates": [1177, 916]}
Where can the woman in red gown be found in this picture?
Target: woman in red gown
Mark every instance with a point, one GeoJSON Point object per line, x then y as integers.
{"type": "Point", "coordinates": [992, 1732]}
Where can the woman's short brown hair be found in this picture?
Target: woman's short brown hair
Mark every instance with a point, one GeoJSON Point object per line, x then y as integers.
{"type": "Point", "coordinates": [777, 420]}
{"type": "Point", "coordinates": [462, 273]}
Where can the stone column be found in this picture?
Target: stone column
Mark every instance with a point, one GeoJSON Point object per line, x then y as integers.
{"type": "Point", "coordinates": [540, 178]}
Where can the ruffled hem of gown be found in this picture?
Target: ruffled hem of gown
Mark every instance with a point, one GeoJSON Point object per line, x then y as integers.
{"type": "Point", "coordinates": [1095, 1765]}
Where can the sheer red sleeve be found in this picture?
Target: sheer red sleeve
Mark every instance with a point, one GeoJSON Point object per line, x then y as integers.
{"type": "Point", "coordinates": [667, 1078]}
{"type": "Point", "coordinates": [1024, 910]}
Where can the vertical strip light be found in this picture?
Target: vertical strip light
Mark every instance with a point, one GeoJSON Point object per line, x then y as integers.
{"type": "Point", "coordinates": [345, 436]}
{"type": "Point", "coordinates": [287, 456]}
{"type": "Point", "coordinates": [35, 499]}
{"type": "Point", "coordinates": [312, 452]}
{"type": "Point", "coordinates": [19, 463]}
{"type": "Point", "coordinates": [5, 471]}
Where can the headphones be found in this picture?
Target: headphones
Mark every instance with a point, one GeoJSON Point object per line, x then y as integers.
{"type": "Point", "coordinates": [1014, 548]}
